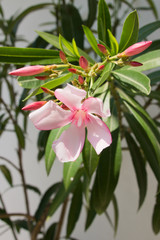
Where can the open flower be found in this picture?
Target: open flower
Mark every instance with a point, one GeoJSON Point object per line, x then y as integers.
{"type": "Point", "coordinates": [80, 115]}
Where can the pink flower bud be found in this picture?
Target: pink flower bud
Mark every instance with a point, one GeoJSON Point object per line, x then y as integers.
{"type": "Point", "coordinates": [46, 90]}
{"type": "Point", "coordinates": [101, 67]}
{"type": "Point", "coordinates": [135, 49]}
{"type": "Point", "coordinates": [83, 63]}
{"type": "Point", "coordinates": [134, 64]}
{"type": "Point", "coordinates": [72, 70]}
{"type": "Point", "coordinates": [42, 77]}
{"type": "Point", "coordinates": [28, 71]}
{"type": "Point", "coordinates": [62, 56]}
{"type": "Point", "coordinates": [103, 49]}
{"type": "Point", "coordinates": [80, 79]}
{"type": "Point", "coordinates": [34, 106]}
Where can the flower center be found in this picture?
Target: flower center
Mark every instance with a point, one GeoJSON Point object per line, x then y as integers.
{"type": "Point", "coordinates": [79, 117]}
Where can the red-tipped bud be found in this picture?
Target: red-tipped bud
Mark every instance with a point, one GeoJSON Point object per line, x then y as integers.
{"type": "Point", "coordinates": [101, 67]}
{"type": "Point", "coordinates": [46, 90]}
{"type": "Point", "coordinates": [28, 71]}
{"type": "Point", "coordinates": [80, 79]}
{"type": "Point", "coordinates": [83, 63]}
{"type": "Point", "coordinates": [42, 77]}
{"type": "Point", "coordinates": [72, 70]}
{"type": "Point", "coordinates": [134, 64]}
{"type": "Point", "coordinates": [135, 49]}
{"type": "Point", "coordinates": [64, 107]}
{"type": "Point", "coordinates": [63, 57]}
{"type": "Point", "coordinates": [103, 49]}
{"type": "Point", "coordinates": [34, 106]}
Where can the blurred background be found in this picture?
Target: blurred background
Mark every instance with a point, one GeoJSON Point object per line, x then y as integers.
{"type": "Point", "coordinates": [133, 224]}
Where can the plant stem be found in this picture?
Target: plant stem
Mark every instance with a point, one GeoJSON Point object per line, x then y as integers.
{"type": "Point", "coordinates": [4, 207]}
{"type": "Point", "coordinates": [24, 186]}
{"type": "Point", "coordinates": [12, 164]}
{"type": "Point", "coordinates": [61, 219]}
{"type": "Point", "coordinates": [7, 215]}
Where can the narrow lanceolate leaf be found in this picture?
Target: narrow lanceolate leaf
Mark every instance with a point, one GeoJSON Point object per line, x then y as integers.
{"type": "Point", "coordinates": [30, 82]}
{"type": "Point", "coordinates": [149, 60]}
{"type": "Point", "coordinates": [45, 200]}
{"type": "Point", "coordinates": [6, 173]}
{"type": "Point", "coordinates": [103, 77]}
{"type": "Point", "coordinates": [113, 43]}
{"type": "Point", "coordinates": [69, 171]}
{"type": "Point", "coordinates": [92, 40]}
{"type": "Point", "coordinates": [54, 40]}
{"type": "Point", "coordinates": [49, 153]}
{"type": "Point", "coordinates": [20, 136]}
{"type": "Point", "coordinates": [153, 7]}
{"type": "Point", "coordinates": [156, 214]}
{"type": "Point", "coordinates": [75, 48]}
{"type": "Point", "coordinates": [147, 30]}
{"type": "Point", "coordinates": [141, 111]}
{"type": "Point", "coordinates": [108, 168]}
{"type": "Point", "coordinates": [139, 166]}
{"type": "Point", "coordinates": [91, 214]}
{"type": "Point", "coordinates": [92, 13]}
{"type": "Point", "coordinates": [134, 79]}
{"type": "Point", "coordinates": [90, 158]}
{"type": "Point", "coordinates": [104, 22]}
{"type": "Point", "coordinates": [154, 77]}
{"type": "Point", "coordinates": [146, 139]}
{"type": "Point", "coordinates": [75, 209]}
{"type": "Point", "coordinates": [130, 31]}
{"type": "Point", "coordinates": [26, 55]}
{"type": "Point", "coordinates": [116, 213]}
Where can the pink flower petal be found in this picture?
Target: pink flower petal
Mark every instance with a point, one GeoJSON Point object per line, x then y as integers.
{"type": "Point", "coordinates": [70, 96]}
{"type": "Point", "coordinates": [94, 105]}
{"type": "Point", "coordinates": [69, 146]}
{"type": "Point", "coordinates": [98, 134]}
{"type": "Point", "coordinates": [50, 116]}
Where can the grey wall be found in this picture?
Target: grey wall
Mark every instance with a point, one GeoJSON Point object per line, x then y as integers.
{"type": "Point", "coordinates": [133, 224]}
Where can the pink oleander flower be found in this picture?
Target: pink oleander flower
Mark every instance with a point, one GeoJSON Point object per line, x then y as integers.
{"type": "Point", "coordinates": [34, 106]}
{"type": "Point", "coordinates": [80, 114]}
{"type": "Point", "coordinates": [28, 71]}
{"type": "Point", "coordinates": [135, 49]}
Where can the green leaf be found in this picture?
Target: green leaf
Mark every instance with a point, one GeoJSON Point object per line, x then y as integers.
{"type": "Point", "coordinates": [71, 24]}
{"type": "Point", "coordinates": [139, 166]}
{"type": "Point", "coordinates": [54, 40]}
{"type": "Point", "coordinates": [46, 199]}
{"type": "Point", "coordinates": [137, 80]}
{"type": "Point", "coordinates": [146, 139]}
{"type": "Point", "coordinates": [92, 13]}
{"type": "Point", "coordinates": [141, 111]}
{"type": "Point", "coordinates": [149, 60]}
{"type": "Point", "coordinates": [156, 214]}
{"type": "Point", "coordinates": [92, 40]}
{"type": "Point", "coordinates": [146, 30]}
{"type": "Point", "coordinates": [75, 209]}
{"type": "Point", "coordinates": [113, 43]}
{"type": "Point", "coordinates": [90, 158]}
{"type": "Point", "coordinates": [49, 153]}
{"type": "Point", "coordinates": [50, 233]}
{"type": "Point", "coordinates": [104, 22]}
{"type": "Point", "coordinates": [153, 7]}
{"type": "Point", "coordinates": [130, 31]}
{"type": "Point", "coordinates": [20, 136]}
{"type": "Point", "coordinates": [33, 188]}
{"type": "Point", "coordinates": [6, 173]}
{"type": "Point", "coordinates": [103, 77]}
{"type": "Point", "coordinates": [116, 213]}
{"type": "Point", "coordinates": [63, 193]}
{"type": "Point", "coordinates": [30, 82]}
{"type": "Point", "coordinates": [91, 214]}
{"type": "Point", "coordinates": [154, 77]}
{"type": "Point", "coordinates": [26, 55]}
{"type": "Point", "coordinates": [75, 48]}
{"type": "Point", "coordinates": [108, 168]}
{"type": "Point", "coordinates": [69, 171]}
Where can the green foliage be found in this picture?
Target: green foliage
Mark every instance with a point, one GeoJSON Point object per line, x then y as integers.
{"type": "Point", "coordinates": [91, 180]}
